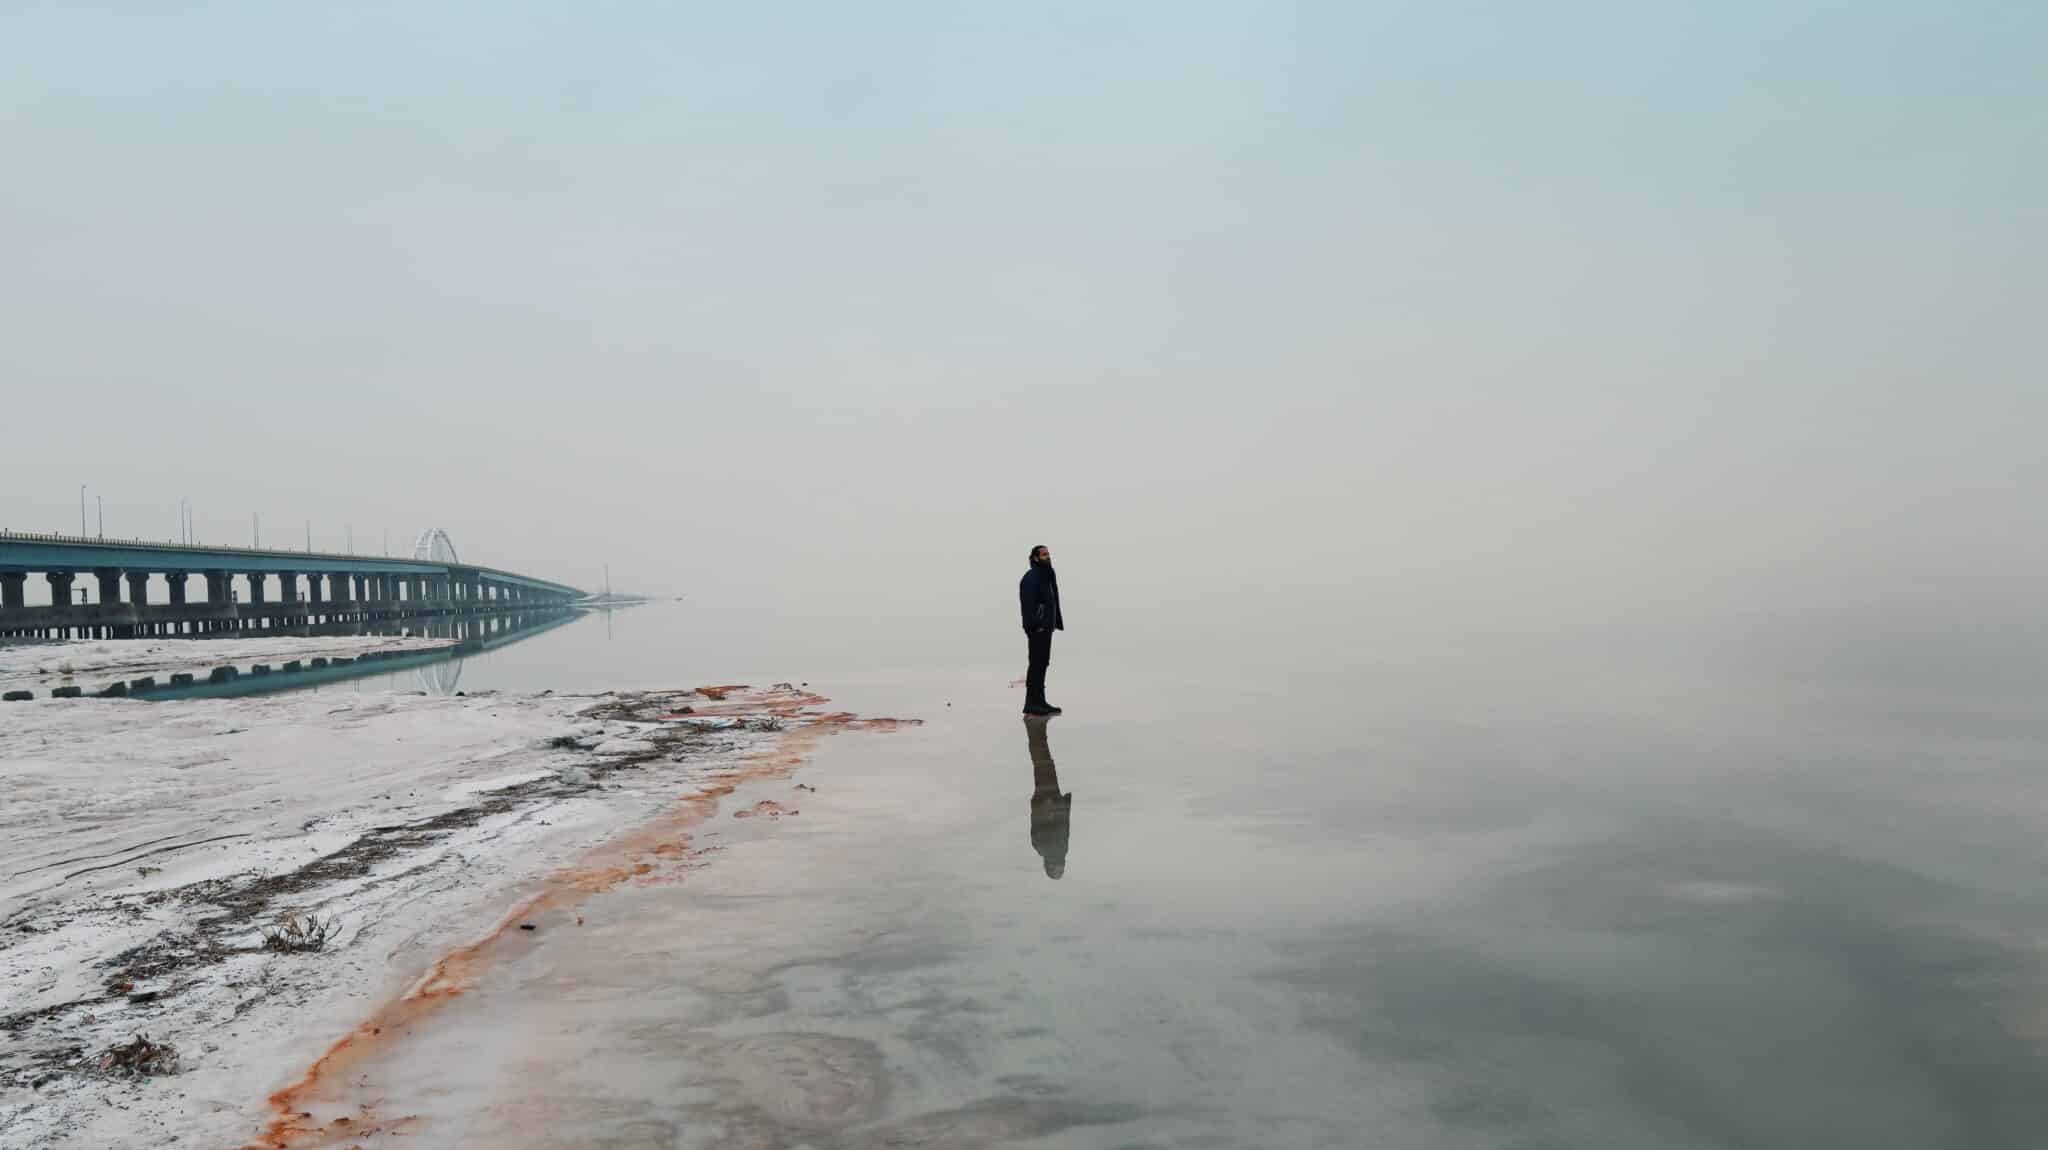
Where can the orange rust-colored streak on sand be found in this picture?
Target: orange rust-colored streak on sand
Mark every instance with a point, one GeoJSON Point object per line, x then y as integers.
{"type": "Point", "coordinates": [621, 859]}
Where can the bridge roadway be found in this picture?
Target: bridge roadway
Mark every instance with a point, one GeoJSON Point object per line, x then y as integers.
{"type": "Point", "coordinates": [238, 581]}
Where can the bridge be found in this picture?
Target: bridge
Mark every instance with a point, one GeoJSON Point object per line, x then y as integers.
{"type": "Point", "coordinates": [312, 588]}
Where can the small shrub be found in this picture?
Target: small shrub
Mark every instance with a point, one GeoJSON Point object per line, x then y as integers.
{"type": "Point", "coordinates": [298, 935]}
{"type": "Point", "coordinates": [140, 1058]}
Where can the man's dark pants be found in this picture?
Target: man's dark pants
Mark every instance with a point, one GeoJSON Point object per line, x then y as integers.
{"type": "Point", "coordinates": [1041, 658]}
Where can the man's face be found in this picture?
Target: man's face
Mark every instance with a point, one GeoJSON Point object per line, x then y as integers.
{"type": "Point", "coordinates": [1045, 554]}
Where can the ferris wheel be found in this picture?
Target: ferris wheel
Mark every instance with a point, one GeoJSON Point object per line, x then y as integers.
{"type": "Point", "coordinates": [434, 546]}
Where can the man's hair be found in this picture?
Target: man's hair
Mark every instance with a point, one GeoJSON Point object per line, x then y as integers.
{"type": "Point", "coordinates": [1033, 557]}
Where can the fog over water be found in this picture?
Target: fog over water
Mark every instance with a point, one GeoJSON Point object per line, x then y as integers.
{"type": "Point", "coordinates": [1501, 323]}
{"type": "Point", "coordinates": [1548, 505]}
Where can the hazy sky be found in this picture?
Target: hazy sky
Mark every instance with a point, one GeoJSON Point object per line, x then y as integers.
{"type": "Point", "coordinates": [1261, 315]}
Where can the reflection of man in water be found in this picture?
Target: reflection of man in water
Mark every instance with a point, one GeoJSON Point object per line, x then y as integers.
{"type": "Point", "coordinates": [1049, 808]}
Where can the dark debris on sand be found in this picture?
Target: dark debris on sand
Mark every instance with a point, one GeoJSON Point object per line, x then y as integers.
{"type": "Point", "coordinates": [138, 1058]}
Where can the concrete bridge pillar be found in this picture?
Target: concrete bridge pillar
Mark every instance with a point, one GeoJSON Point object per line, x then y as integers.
{"type": "Point", "coordinates": [315, 591]}
{"type": "Point", "coordinates": [11, 593]}
{"type": "Point", "coordinates": [174, 582]}
{"type": "Point", "coordinates": [138, 596]}
{"type": "Point", "coordinates": [256, 581]}
{"type": "Point", "coordinates": [338, 584]}
{"type": "Point", "coordinates": [287, 586]}
{"type": "Point", "coordinates": [60, 588]}
{"type": "Point", "coordinates": [110, 584]}
{"type": "Point", "coordinates": [361, 585]}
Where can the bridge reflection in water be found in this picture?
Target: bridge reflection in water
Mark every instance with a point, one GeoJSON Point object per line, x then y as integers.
{"type": "Point", "coordinates": [438, 670]}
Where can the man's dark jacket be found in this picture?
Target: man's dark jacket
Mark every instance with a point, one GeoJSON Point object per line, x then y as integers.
{"type": "Point", "coordinates": [1038, 595]}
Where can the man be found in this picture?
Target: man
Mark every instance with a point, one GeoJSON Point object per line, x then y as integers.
{"type": "Point", "coordinates": [1038, 595]}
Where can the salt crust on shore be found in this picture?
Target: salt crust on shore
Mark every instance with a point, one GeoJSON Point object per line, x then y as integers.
{"type": "Point", "coordinates": [93, 664]}
{"type": "Point", "coordinates": [140, 844]}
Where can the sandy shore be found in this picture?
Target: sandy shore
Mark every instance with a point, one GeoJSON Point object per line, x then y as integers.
{"type": "Point", "coordinates": [146, 849]}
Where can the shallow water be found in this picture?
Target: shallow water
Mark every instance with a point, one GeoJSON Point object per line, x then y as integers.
{"type": "Point", "coordinates": [1426, 903]}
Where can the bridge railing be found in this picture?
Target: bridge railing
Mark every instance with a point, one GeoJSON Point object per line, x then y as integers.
{"type": "Point", "coordinates": [214, 548]}
{"type": "Point", "coordinates": [7, 536]}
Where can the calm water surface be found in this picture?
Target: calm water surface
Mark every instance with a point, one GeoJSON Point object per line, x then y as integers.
{"type": "Point", "coordinates": [1363, 902]}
